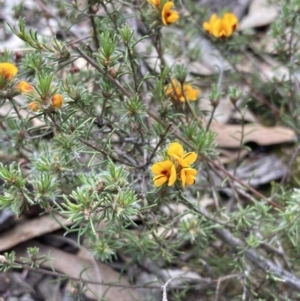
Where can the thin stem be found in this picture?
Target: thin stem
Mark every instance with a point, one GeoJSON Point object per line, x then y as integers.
{"type": "Point", "coordinates": [212, 187]}
{"type": "Point", "coordinates": [158, 47]}
{"type": "Point", "coordinates": [242, 139]}
{"type": "Point", "coordinates": [65, 276]}
{"type": "Point", "coordinates": [95, 31]}
{"type": "Point", "coordinates": [291, 163]}
{"type": "Point", "coordinates": [193, 207]}
{"type": "Point", "coordinates": [105, 153]}
{"type": "Point", "coordinates": [264, 101]}
{"type": "Point", "coordinates": [96, 66]}
{"type": "Point", "coordinates": [256, 259]}
{"type": "Point", "coordinates": [132, 69]}
{"type": "Point", "coordinates": [211, 118]}
{"type": "Point", "coordinates": [162, 244]}
{"type": "Point", "coordinates": [12, 101]}
{"type": "Point", "coordinates": [220, 79]}
{"type": "Point", "coordinates": [220, 280]}
{"type": "Point", "coordinates": [189, 105]}
{"type": "Point", "coordinates": [162, 138]}
{"type": "Point", "coordinates": [254, 191]}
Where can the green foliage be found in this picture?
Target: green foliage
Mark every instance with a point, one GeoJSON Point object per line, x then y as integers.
{"type": "Point", "coordinates": [7, 261]}
{"type": "Point", "coordinates": [91, 160]}
{"type": "Point", "coordinates": [108, 56]}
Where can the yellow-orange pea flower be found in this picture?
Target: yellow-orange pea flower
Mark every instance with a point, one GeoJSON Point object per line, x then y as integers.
{"type": "Point", "coordinates": [34, 106]}
{"type": "Point", "coordinates": [232, 20]}
{"type": "Point", "coordinates": [188, 176]}
{"type": "Point", "coordinates": [178, 92]}
{"type": "Point", "coordinates": [155, 3]}
{"type": "Point", "coordinates": [24, 87]}
{"type": "Point", "coordinates": [57, 101]}
{"type": "Point", "coordinates": [165, 172]}
{"type": "Point", "coordinates": [169, 16]}
{"type": "Point", "coordinates": [8, 70]}
{"type": "Point", "coordinates": [221, 27]}
{"type": "Point", "coordinates": [175, 150]}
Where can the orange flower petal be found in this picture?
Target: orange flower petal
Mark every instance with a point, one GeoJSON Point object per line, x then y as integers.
{"type": "Point", "coordinates": [181, 93]}
{"type": "Point", "coordinates": [173, 176]}
{"type": "Point", "coordinates": [169, 16]}
{"type": "Point", "coordinates": [182, 177]}
{"type": "Point", "coordinates": [173, 17]}
{"type": "Point", "coordinates": [34, 106]}
{"type": "Point", "coordinates": [174, 90]}
{"type": "Point", "coordinates": [8, 70]}
{"type": "Point", "coordinates": [232, 20]}
{"type": "Point", "coordinates": [160, 167]}
{"type": "Point", "coordinates": [209, 25]}
{"type": "Point", "coordinates": [175, 149]}
{"type": "Point", "coordinates": [181, 162]}
{"type": "Point", "coordinates": [190, 158]}
{"type": "Point", "coordinates": [160, 180]}
{"type": "Point", "coordinates": [188, 176]}
{"type": "Point", "coordinates": [24, 87]}
{"type": "Point", "coordinates": [206, 26]}
{"type": "Point", "coordinates": [165, 171]}
{"type": "Point", "coordinates": [191, 94]}
{"type": "Point", "coordinates": [154, 2]}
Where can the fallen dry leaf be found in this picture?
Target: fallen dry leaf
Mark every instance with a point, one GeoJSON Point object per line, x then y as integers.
{"type": "Point", "coordinates": [261, 170]}
{"type": "Point", "coordinates": [28, 229]}
{"type": "Point", "coordinates": [268, 68]}
{"type": "Point", "coordinates": [229, 135]}
{"type": "Point", "coordinates": [73, 265]}
{"type": "Point", "coordinates": [211, 60]}
{"type": "Point", "coordinates": [261, 13]}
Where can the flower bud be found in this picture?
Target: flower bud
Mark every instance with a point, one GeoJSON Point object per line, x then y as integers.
{"type": "Point", "coordinates": [24, 87]}
{"type": "Point", "coordinates": [234, 94]}
{"type": "Point", "coordinates": [106, 94]}
{"type": "Point", "coordinates": [18, 56]}
{"type": "Point", "coordinates": [74, 70]}
{"type": "Point", "coordinates": [112, 72]}
{"type": "Point", "coordinates": [34, 106]}
{"type": "Point", "coordinates": [57, 101]}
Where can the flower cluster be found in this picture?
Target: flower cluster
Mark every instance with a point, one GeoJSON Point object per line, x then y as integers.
{"type": "Point", "coordinates": [221, 27]}
{"type": "Point", "coordinates": [167, 14]}
{"type": "Point", "coordinates": [35, 106]}
{"type": "Point", "coordinates": [56, 103]}
{"type": "Point", "coordinates": [178, 166]}
{"type": "Point", "coordinates": [181, 92]}
{"type": "Point", "coordinates": [7, 73]}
